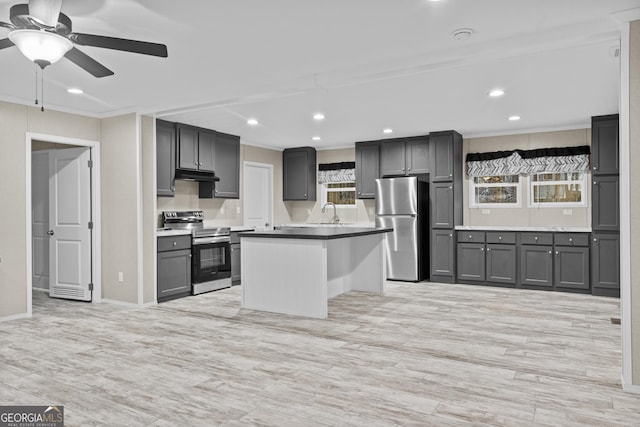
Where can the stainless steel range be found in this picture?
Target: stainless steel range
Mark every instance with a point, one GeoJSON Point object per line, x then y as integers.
{"type": "Point", "coordinates": [210, 250]}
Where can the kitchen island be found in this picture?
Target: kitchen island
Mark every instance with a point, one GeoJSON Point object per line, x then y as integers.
{"type": "Point", "coordinates": [296, 270]}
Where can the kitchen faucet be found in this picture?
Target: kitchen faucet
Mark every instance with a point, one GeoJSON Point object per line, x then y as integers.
{"type": "Point", "coordinates": [334, 218]}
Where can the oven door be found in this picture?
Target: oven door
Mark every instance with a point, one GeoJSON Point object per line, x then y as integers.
{"type": "Point", "coordinates": [211, 260]}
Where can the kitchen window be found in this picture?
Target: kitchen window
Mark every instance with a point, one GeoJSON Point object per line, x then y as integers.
{"type": "Point", "coordinates": [342, 194]}
{"type": "Point", "coordinates": [555, 189]}
{"type": "Point", "coordinates": [498, 191]}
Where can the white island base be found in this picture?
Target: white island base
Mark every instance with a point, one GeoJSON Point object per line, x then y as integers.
{"type": "Point", "coordinates": [297, 276]}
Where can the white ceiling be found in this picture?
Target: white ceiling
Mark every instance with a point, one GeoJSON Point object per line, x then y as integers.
{"type": "Point", "coordinates": [366, 64]}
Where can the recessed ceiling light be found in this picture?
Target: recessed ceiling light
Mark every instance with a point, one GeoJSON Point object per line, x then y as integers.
{"type": "Point", "coordinates": [514, 118]}
{"type": "Point", "coordinates": [316, 138]}
{"type": "Point", "coordinates": [318, 116]}
{"type": "Point", "coordinates": [387, 130]}
{"type": "Point", "coordinates": [75, 90]}
{"type": "Point", "coordinates": [462, 34]}
{"type": "Point", "coordinates": [252, 122]}
{"type": "Point", "coordinates": [496, 93]}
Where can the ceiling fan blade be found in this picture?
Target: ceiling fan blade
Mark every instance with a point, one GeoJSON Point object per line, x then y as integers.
{"type": "Point", "coordinates": [9, 26]}
{"type": "Point", "coordinates": [87, 63]}
{"type": "Point", "coordinates": [45, 12]}
{"type": "Point", "coordinates": [146, 48]}
{"type": "Point", "coordinates": [5, 43]}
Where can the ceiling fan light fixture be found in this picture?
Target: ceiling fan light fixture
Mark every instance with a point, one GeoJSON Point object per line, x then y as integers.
{"type": "Point", "coordinates": [41, 47]}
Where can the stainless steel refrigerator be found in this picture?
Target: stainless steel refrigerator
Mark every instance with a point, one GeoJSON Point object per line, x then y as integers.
{"type": "Point", "coordinates": [403, 203]}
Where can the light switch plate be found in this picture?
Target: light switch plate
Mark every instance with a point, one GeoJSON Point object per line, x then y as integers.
{"type": "Point", "coordinates": [567, 211]}
{"type": "Point", "coordinates": [486, 211]}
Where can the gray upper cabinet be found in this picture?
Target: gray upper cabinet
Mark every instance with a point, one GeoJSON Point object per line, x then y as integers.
{"type": "Point", "coordinates": [605, 264]}
{"type": "Point", "coordinates": [195, 148]}
{"type": "Point", "coordinates": [226, 164]}
{"type": "Point", "coordinates": [367, 169]}
{"type": "Point", "coordinates": [605, 144]}
{"type": "Point", "coordinates": [165, 158]}
{"type": "Point", "coordinates": [299, 173]}
{"type": "Point", "coordinates": [407, 156]}
{"type": "Point", "coordinates": [605, 203]}
{"type": "Point", "coordinates": [392, 158]}
{"type": "Point", "coordinates": [446, 156]}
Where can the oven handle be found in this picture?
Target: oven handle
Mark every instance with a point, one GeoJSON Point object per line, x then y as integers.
{"type": "Point", "coordinates": [208, 240]}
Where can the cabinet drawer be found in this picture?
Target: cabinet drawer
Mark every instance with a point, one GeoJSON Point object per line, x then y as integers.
{"type": "Point", "coordinates": [501, 237]}
{"type": "Point", "coordinates": [173, 243]}
{"type": "Point", "coordinates": [536, 239]}
{"type": "Point", "coordinates": [471, 236]}
{"type": "Point", "coordinates": [571, 239]}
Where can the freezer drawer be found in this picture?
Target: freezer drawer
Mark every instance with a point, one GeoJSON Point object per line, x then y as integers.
{"type": "Point", "coordinates": [402, 246]}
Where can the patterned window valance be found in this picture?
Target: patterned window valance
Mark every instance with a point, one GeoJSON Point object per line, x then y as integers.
{"type": "Point", "coordinates": [336, 172]}
{"type": "Point", "coordinates": [566, 159]}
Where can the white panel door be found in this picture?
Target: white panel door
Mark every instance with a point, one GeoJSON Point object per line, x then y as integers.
{"type": "Point", "coordinates": [40, 218]}
{"type": "Point", "coordinates": [69, 216]}
{"type": "Point", "coordinates": [258, 195]}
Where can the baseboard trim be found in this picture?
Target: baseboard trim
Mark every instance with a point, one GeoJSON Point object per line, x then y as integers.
{"type": "Point", "coordinates": [120, 303]}
{"type": "Point", "coordinates": [631, 388]}
{"type": "Point", "coordinates": [14, 317]}
{"type": "Point", "coordinates": [40, 290]}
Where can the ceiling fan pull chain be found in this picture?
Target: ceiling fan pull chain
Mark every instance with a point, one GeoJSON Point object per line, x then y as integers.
{"type": "Point", "coordinates": [42, 89]}
{"type": "Point", "coordinates": [36, 84]}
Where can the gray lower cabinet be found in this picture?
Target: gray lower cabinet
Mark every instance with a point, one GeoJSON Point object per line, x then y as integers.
{"type": "Point", "coordinates": [605, 264]}
{"type": "Point", "coordinates": [174, 267]}
{"type": "Point", "coordinates": [442, 256]}
{"type": "Point", "coordinates": [571, 267]}
{"type": "Point", "coordinates": [235, 263]}
{"type": "Point", "coordinates": [471, 262]}
{"type": "Point", "coordinates": [501, 264]}
{"type": "Point", "coordinates": [536, 265]}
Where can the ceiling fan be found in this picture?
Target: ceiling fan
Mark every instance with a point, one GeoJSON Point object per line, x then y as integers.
{"type": "Point", "coordinates": [44, 35]}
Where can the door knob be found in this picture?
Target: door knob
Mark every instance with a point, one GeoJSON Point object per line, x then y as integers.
{"type": "Point", "coordinates": [51, 232]}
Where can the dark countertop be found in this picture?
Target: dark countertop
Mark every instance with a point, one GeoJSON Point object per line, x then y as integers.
{"type": "Point", "coordinates": [317, 233]}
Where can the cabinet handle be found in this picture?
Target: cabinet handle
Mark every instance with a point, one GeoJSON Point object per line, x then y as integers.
{"type": "Point", "coordinates": [595, 240]}
{"type": "Point", "coordinates": [408, 169]}
{"type": "Point", "coordinates": [216, 191]}
{"type": "Point", "coordinates": [488, 249]}
{"type": "Point", "coordinates": [570, 239]}
{"type": "Point", "coordinates": [535, 238]}
{"type": "Point", "coordinates": [450, 235]}
{"type": "Point", "coordinates": [175, 243]}
{"type": "Point", "coordinates": [499, 237]}
{"type": "Point", "coordinates": [595, 168]}
{"type": "Point", "coordinates": [450, 188]}
{"type": "Point", "coordinates": [556, 253]}
{"type": "Point", "coordinates": [173, 188]}
{"type": "Point", "coordinates": [595, 183]}
{"type": "Point", "coordinates": [549, 252]}
{"type": "Point", "coordinates": [450, 174]}
{"type": "Point", "coordinates": [359, 193]}
{"type": "Point", "coordinates": [481, 249]}
{"type": "Point", "coordinates": [190, 256]}
{"type": "Point", "coordinates": [305, 195]}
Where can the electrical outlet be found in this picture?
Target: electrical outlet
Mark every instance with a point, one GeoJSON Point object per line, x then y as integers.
{"type": "Point", "coordinates": [221, 211]}
{"type": "Point", "coordinates": [567, 211]}
{"type": "Point", "coordinates": [238, 210]}
{"type": "Point", "coordinates": [486, 211]}
{"type": "Point", "coordinates": [120, 276]}
{"type": "Point", "coordinates": [308, 211]}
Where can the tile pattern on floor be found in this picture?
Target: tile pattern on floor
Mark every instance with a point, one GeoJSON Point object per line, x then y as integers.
{"type": "Point", "coordinates": [423, 354]}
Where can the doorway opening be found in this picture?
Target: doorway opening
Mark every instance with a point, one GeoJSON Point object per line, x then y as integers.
{"type": "Point", "coordinates": [63, 218]}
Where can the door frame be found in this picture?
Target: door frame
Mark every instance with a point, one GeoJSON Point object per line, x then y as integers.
{"type": "Point", "coordinates": [267, 166]}
{"type": "Point", "coordinates": [96, 243]}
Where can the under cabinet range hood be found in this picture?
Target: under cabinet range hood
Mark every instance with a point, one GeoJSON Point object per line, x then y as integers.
{"type": "Point", "coordinates": [192, 175]}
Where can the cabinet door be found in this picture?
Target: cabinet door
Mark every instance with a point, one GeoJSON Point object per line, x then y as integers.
{"type": "Point", "coordinates": [442, 253]}
{"type": "Point", "coordinates": [571, 267]}
{"type": "Point", "coordinates": [605, 261]}
{"type": "Point", "coordinates": [226, 161]}
{"type": "Point", "coordinates": [501, 263]}
{"type": "Point", "coordinates": [605, 143]}
{"type": "Point", "coordinates": [367, 169]}
{"type": "Point", "coordinates": [206, 144]}
{"type": "Point", "coordinates": [392, 158]}
{"type": "Point", "coordinates": [442, 156]}
{"type": "Point", "coordinates": [174, 273]}
{"type": "Point", "coordinates": [471, 262]}
{"type": "Point", "coordinates": [165, 158]}
{"type": "Point", "coordinates": [536, 265]}
{"type": "Point", "coordinates": [235, 262]}
{"type": "Point", "coordinates": [417, 156]}
{"type": "Point", "coordinates": [442, 208]}
{"type": "Point", "coordinates": [295, 175]}
{"type": "Point", "coordinates": [187, 147]}
{"type": "Point", "coordinates": [605, 206]}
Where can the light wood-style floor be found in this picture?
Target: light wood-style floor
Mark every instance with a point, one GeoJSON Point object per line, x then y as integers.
{"type": "Point", "coordinates": [423, 354]}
